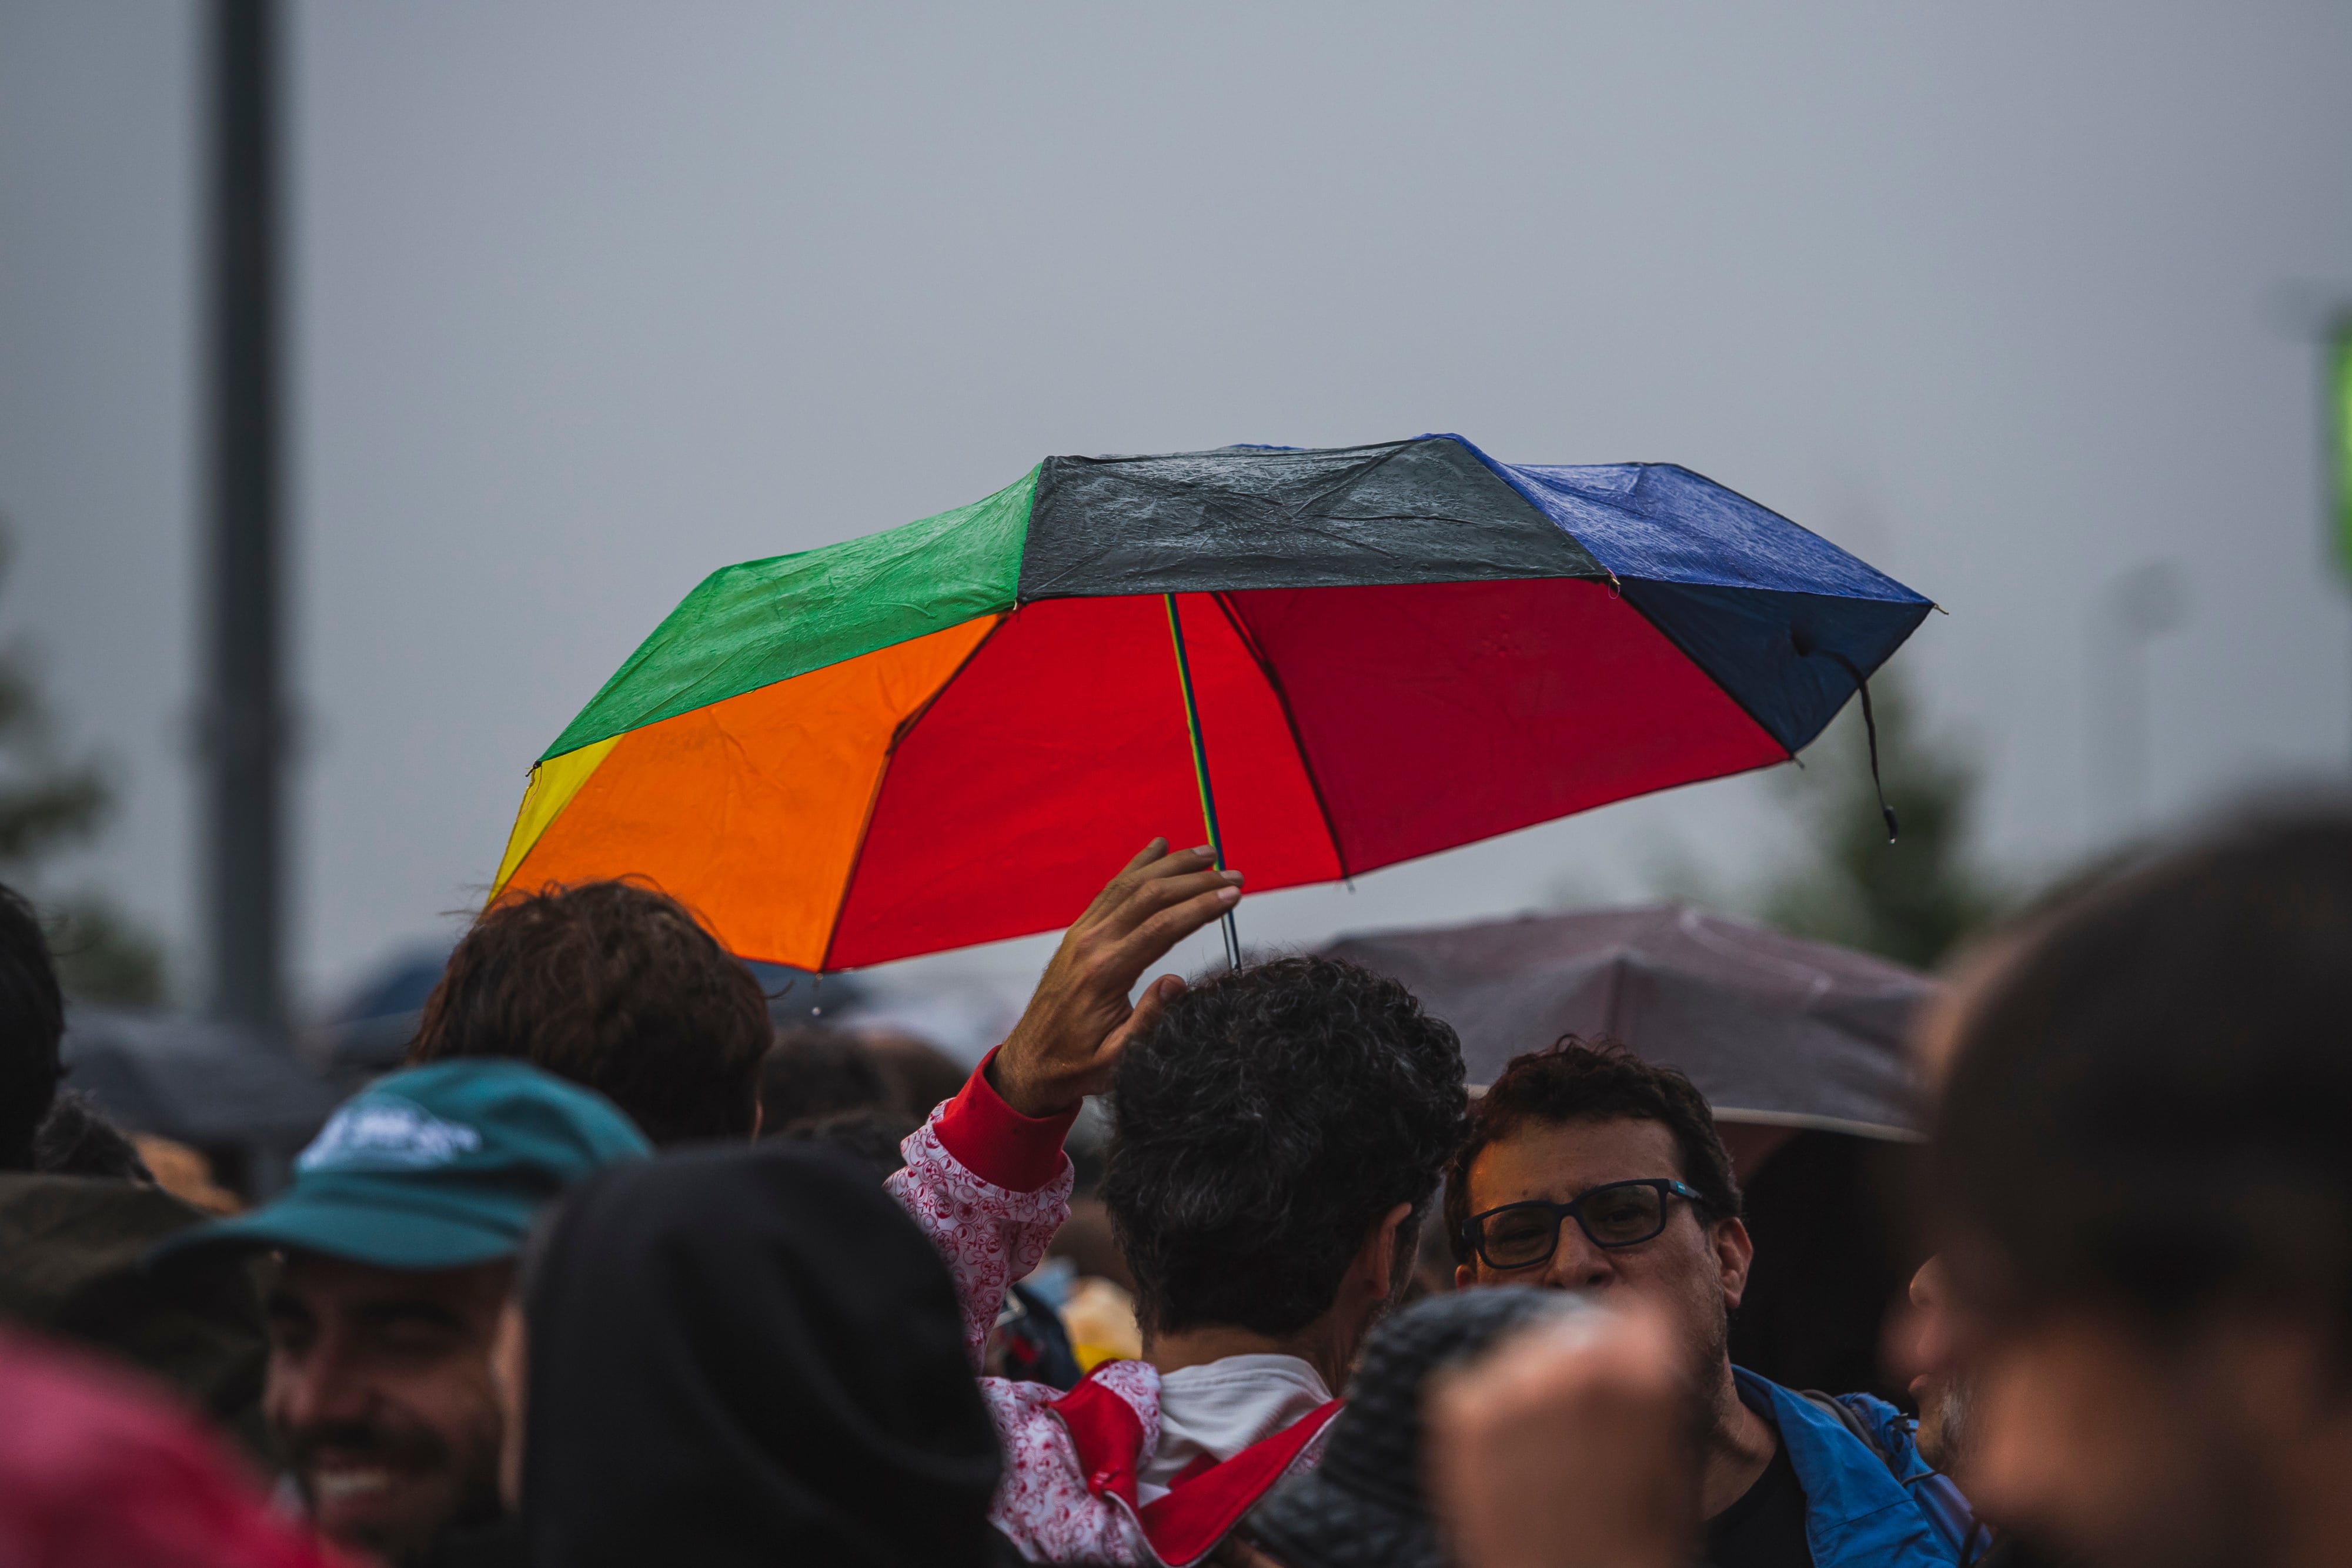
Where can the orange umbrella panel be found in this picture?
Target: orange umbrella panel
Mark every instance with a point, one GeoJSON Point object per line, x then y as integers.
{"type": "Point", "coordinates": [751, 810]}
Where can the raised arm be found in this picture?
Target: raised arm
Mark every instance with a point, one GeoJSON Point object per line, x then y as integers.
{"type": "Point", "coordinates": [989, 1186]}
{"type": "Point", "coordinates": [985, 1177]}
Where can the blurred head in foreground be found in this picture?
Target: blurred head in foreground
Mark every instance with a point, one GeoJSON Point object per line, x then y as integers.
{"type": "Point", "coordinates": [1364, 1502]}
{"type": "Point", "coordinates": [1597, 1396]}
{"type": "Point", "coordinates": [616, 986]}
{"type": "Point", "coordinates": [2143, 1162]}
{"type": "Point", "coordinates": [398, 1238]}
{"type": "Point", "coordinates": [748, 1357]}
{"type": "Point", "coordinates": [97, 1469]}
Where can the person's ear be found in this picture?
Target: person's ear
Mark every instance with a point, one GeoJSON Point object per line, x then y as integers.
{"type": "Point", "coordinates": [1733, 1254]}
{"type": "Point", "coordinates": [509, 1382]}
{"type": "Point", "coordinates": [1378, 1262]}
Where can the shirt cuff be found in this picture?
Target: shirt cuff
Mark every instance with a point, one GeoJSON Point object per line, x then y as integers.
{"type": "Point", "coordinates": [997, 1144]}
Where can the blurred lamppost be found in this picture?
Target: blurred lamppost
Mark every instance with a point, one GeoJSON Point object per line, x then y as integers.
{"type": "Point", "coordinates": [2135, 609]}
{"type": "Point", "coordinates": [242, 720]}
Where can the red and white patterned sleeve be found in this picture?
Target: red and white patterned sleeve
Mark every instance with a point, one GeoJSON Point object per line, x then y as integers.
{"type": "Point", "coordinates": [989, 1186]}
{"type": "Point", "coordinates": [1043, 1504]}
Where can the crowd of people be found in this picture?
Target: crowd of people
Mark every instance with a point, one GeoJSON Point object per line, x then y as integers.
{"type": "Point", "coordinates": [612, 1273]}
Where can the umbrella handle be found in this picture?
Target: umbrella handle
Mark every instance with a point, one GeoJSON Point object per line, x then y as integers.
{"type": "Point", "coordinates": [1200, 770]}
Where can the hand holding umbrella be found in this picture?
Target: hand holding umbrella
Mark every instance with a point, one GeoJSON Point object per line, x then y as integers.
{"type": "Point", "coordinates": [1067, 1043]}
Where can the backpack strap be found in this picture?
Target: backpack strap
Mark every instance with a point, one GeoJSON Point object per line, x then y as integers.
{"type": "Point", "coordinates": [1852, 1423]}
{"type": "Point", "coordinates": [1951, 1509]}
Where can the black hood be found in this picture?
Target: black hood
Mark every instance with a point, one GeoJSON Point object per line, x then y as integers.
{"type": "Point", "coordinates": [749, 1356]}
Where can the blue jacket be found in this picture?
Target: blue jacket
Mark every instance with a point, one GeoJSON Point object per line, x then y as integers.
{"type": "Point", "coordinates": [1858, 1513]}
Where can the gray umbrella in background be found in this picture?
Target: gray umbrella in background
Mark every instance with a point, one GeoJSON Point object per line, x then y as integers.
{"type": "Point", "coordinates": [369, 1031]}
{"type": "Point", "coordinates": [1800, 1048]}
{"type": "Point", "coordinates": [1776, 1031]}
{"type": "Point", "coordinates": [219, 1088]}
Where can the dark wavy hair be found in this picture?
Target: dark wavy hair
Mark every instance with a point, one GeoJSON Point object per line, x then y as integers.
{"type": "Point", "coordinates": [1263, 1128]}
{"type": "Point", "coordinates": [1600, 1080]}
{"type": "Point", "coordinates": [616, 986]}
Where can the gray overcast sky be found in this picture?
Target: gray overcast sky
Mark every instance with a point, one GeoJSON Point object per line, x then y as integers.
{"type": "Point", "coordinates": [595, 297]}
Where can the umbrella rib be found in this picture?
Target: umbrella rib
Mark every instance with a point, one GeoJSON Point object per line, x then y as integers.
{"type": "Point", "coordinates": [1618, 594]}
{"type": "Point", "coordinates": [1201, 769]}
{"type": "Point", "coordinates": [1290, 721]}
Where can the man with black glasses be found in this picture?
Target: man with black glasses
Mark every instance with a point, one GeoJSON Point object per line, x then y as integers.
{"type": "Point", "coordinates": [1588, 1169]}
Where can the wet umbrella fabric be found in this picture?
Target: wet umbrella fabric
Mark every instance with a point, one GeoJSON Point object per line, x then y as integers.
{"type": "Point", "coordinates": [1773, 1030]}
{"type": "Point", "coordinates": [942, 734]}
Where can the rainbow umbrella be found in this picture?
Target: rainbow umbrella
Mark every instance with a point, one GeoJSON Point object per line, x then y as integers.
{"type": "Point", "coordinates": [1321, 662]}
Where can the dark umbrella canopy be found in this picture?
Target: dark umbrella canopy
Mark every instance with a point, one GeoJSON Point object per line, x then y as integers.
{"type": "Point", "coordinates": [1772, 1029]}
{"type": "Point", "coordinates": [209, 1084]}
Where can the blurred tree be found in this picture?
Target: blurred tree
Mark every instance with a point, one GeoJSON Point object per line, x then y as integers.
{"type": "Point", "coordinates": [1912, 900]}
{"type": "Point", "coordinates": [49, 803]}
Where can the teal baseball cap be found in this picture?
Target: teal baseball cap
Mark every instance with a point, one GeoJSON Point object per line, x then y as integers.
{"type": "Point", "coordinates": [436, 1168]}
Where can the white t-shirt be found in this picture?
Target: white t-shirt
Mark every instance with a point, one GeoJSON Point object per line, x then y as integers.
{"type": "Point", "coordinates": [1221, 1407]}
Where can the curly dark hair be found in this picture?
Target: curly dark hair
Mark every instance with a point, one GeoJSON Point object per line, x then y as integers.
{"type": "Point", "coordinates": [616, 986]}
{"type": "Point", "coordinates": [1263, 1128]}
{"type": "Point", "coordinates": [1599, 1081]}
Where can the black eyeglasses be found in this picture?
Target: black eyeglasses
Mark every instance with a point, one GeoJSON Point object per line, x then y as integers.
{"type": "Point", "coordinates": [1618, 1214]}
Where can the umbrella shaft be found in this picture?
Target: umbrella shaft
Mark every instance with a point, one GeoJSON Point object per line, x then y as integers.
{"type": "Point", "coordinates": [1200, 769]}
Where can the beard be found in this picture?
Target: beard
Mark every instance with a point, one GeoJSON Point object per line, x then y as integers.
{"type": "Point", "coordinates": [471, 1489]}
{"type": "Point", "coordinates": [1710, 1367]}
{"type": "Point", "coordinates": [1945, 1422]}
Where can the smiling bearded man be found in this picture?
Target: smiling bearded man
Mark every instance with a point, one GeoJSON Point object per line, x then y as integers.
{"type": "Point", "coordinates": [397, 1240]}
